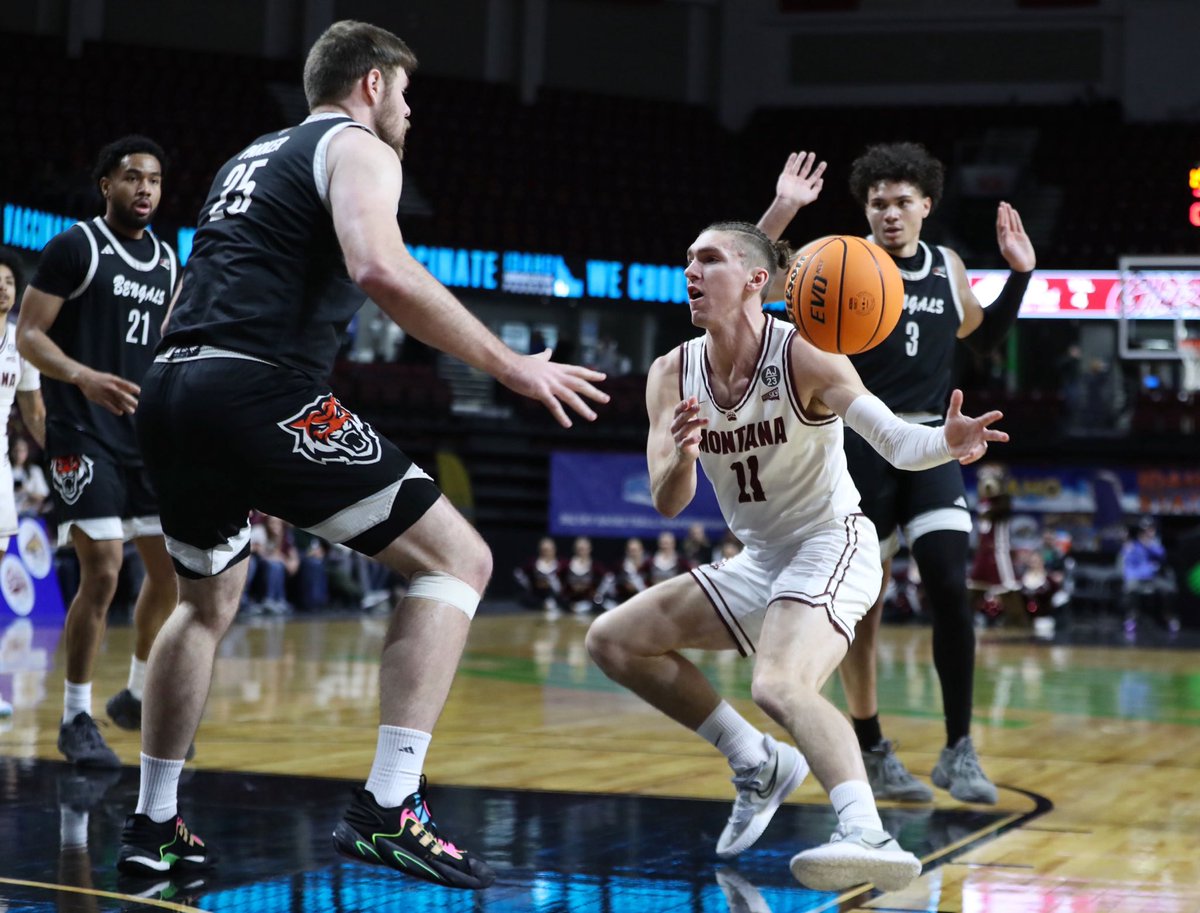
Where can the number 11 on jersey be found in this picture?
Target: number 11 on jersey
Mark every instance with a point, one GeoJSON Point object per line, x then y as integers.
{"type": "Point", "coordinates": [756, 492]}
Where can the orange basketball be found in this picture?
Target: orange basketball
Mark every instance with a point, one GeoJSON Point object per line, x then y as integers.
{"type": "Point", "coordinates": [844, 294]}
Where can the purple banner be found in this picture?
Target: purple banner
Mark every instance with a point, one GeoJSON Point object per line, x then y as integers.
{"type": "Point", "coordinates": [608, 494]}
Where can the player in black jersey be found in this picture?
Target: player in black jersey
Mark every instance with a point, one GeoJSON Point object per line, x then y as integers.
{"type": "Point", "coordinates": [237, 414]}
{"type": "Point", "coordinates": [898, 185]}
{"type": "Point", "coordinates": [90, 322]}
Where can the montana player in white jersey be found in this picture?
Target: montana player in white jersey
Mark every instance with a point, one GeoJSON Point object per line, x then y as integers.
{"type": "Point", "coordinates": [20, 381]}
{"type": "Point", "coordinates": [762, 411]}
{"type": "Point", "coordinates": [898, 184]}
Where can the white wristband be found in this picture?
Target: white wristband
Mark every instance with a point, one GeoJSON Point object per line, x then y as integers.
{"type": "Point", "coordinates": [903, 445]}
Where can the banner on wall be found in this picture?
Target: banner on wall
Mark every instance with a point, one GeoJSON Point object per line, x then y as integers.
{"type": "Point", "coordinates": [32, 616]}
{"type": "Point", "coordinates": [608, 494]}
{"type": "Point", "coordinates": [1068, 489]}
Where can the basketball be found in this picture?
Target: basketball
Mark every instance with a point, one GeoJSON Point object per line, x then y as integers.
{"type": "Point", "coordinates": [844, 294]}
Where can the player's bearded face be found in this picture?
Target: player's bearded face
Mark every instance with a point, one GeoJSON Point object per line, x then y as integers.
{"type": "Point", "coordinates": [392, 121]}
{"type": "Point", "coordinates": [133, 190]}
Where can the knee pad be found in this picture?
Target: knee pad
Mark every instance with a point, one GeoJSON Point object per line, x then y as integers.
{"type": "Point", "coordinates": [442, 587]}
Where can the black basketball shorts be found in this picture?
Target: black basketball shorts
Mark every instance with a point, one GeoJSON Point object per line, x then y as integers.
{"type": "Point", "coordinates": [100, 498]}
{"type": "Point", "coordinates": [223, 434]}
{"type": "Point", "coordinates": [894, 499]}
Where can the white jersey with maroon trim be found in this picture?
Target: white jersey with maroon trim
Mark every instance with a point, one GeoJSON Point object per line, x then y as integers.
{"type": "Point", "coordinates": [16, 376]}
{"type": "Point", "coordinates": [777, 472]}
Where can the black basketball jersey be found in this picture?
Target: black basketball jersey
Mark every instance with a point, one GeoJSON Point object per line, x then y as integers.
{"type": "Point", "coordinates": [911, 370]}
{"type": "Point", "coordinates": [115, 293]}
{"type": "Point", "coordinates": [266, 275]}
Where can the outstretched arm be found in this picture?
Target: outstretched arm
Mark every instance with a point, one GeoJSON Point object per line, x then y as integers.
{"type": "Point", "coordinates": [673, 444]}
{"type": "Point", "coordinates": [364, 191]}
{"type": "Point", "coordinates": [833, 382]}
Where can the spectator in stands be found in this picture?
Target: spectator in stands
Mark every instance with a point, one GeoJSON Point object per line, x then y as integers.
{"type": "Point", "coordinates": [540, 581]}
{"type": "Point", "coordinates": [582, 577]}
{"type": "Point", "coordinates": [271, 543]}
{"type": "Point", "coordinates": [1100, 400]}
{"type": "Point", "coordinates": [312, 580]}
{"type": "Point", "coordinates": [609, 358]}
{"type": "Point", "coordinates": [1147, 579]}
{"type": "Point", "coordinates": [1070, 381]}
{"type": "Point", "coordinates": [29, 482]}
{"type": "Point", "coordinates": [695, 547]}
{"type": "Point", "coordinates": [1041, 589]}
{"type": "Point", "coordinates": [729, 547]}
{"type": "Point", "coordinates": [632, 576]}
{"type": "Point", "coordinates": [341, 574]}
{"type": "Point", "coordinates": [376, 336]}
{"type": "Point", "coordinates": [666, 562]}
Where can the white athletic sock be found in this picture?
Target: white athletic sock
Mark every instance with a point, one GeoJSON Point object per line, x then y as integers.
{"type": "Point", "coordinates": [399, 760]}
{"type": "Point", "coordinates": [159, 791]}
{"type": "Point", "coordinates": [855, 805]}
{"type": "Point", "coordinates": [729, 732]}
{"type": "Point", "coordinates": [137, 677]}
{"type": "Point", "coordinates": [77, 699]}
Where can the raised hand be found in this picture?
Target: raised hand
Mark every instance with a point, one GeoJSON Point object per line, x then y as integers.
{"type": "Point", "coordinates": [968, 437]}
{"type": "Point", "coordinates": [553, 384]}
{"type": "Point", "coordinates": [685, 428]}
{"type": "Point", "coordinates": [1015, 246]}
{"type": "Point", "coordinates": [800, 181]}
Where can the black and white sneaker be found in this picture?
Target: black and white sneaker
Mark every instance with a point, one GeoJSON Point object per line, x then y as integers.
{"type": "Point", "coordinates": [406, 839]}
{"type": "Point", "coordinates": [150, 849]}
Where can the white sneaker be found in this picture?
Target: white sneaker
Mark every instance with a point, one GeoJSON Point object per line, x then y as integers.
{"type": "Point", "coordinates": [760, 792]}
{"type": "Point", "coordinates": [854, 856]}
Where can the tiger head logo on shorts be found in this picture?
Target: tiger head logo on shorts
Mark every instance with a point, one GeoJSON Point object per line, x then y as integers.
{"type": "Point", "coordinates": [325, 431]}
{"type": "Point", "coordinates": [70, 476]}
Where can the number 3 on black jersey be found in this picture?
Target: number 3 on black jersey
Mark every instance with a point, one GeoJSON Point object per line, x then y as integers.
{"type": "Point", "coordinates": [913, 330]}
{"type": "Point", "coordinates": [237, 183]}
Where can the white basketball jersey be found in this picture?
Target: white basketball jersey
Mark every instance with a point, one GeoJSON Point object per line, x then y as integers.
{"type": "Point", "coordinates": [777, 472]}
{"type": "Point", "coordinates": [15, 374]}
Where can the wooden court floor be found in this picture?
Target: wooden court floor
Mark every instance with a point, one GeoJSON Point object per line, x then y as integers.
{"type": "Point", "coordinates": [601, 804]}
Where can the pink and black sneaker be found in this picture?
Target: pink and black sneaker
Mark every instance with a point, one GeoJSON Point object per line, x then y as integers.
{"type": "Point", "coordinates": [406, 839]}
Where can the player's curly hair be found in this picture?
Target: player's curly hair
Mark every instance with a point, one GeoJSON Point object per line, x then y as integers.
{"type": "Point", "coordinates": [757, 248]}
{"type": "Point", "coordinates": [134, 144]}
{"type": "Point", "coordinates": [909, 162]}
